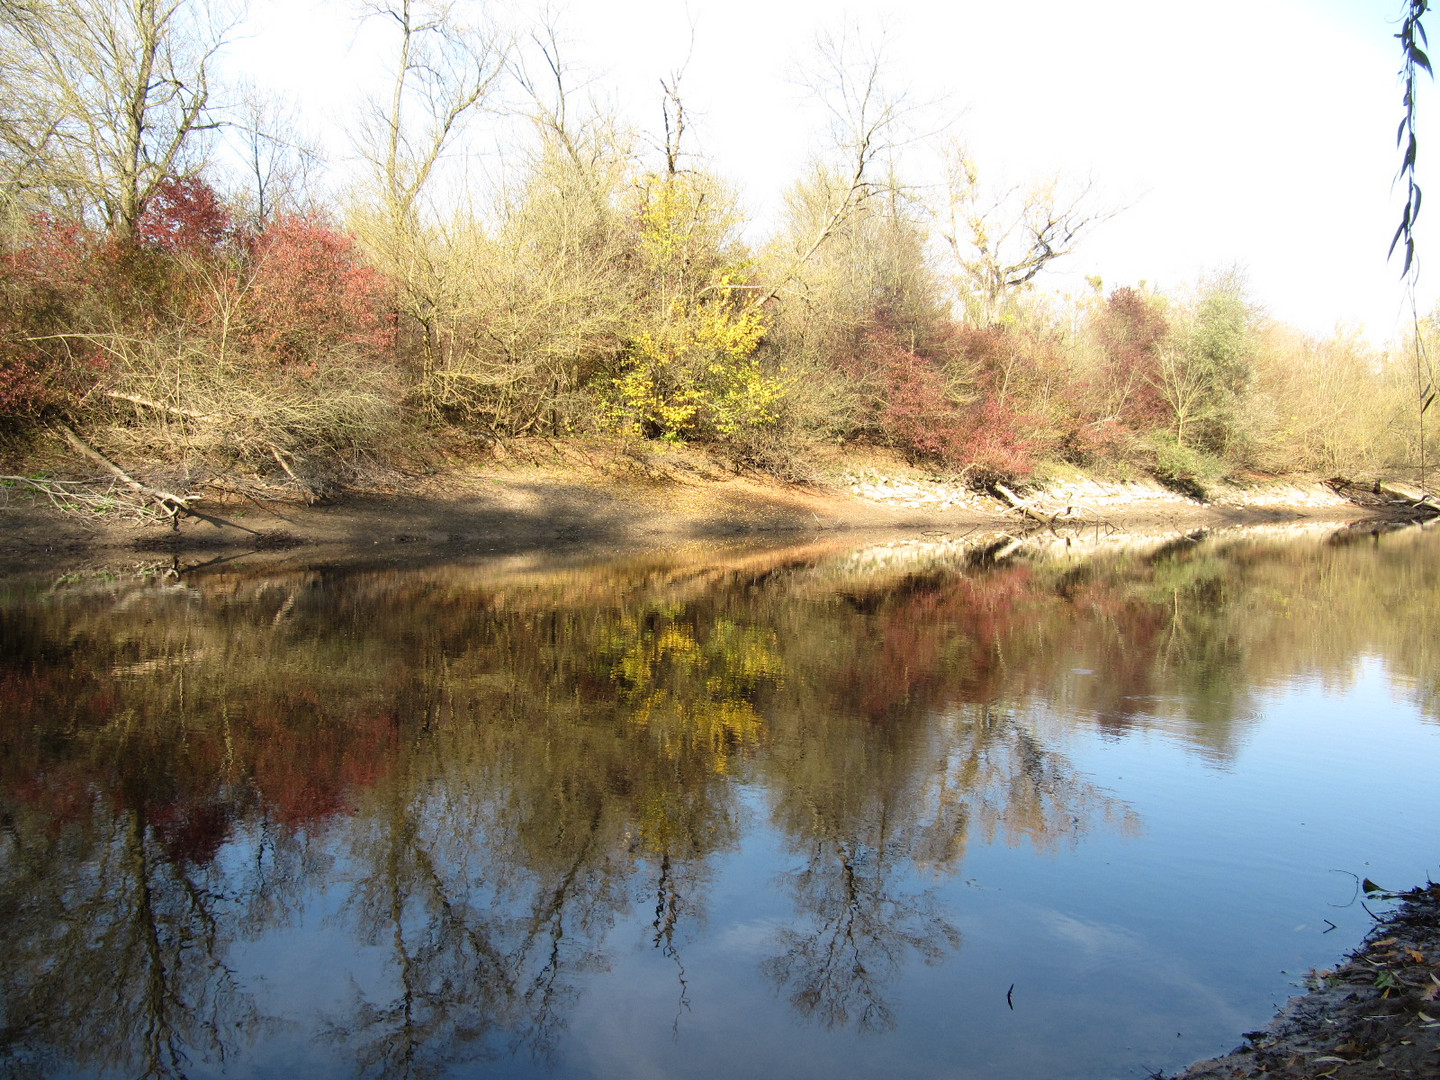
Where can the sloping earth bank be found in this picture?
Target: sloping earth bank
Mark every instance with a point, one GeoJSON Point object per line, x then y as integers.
{"type": "Point", "coordinates": [559, 498]}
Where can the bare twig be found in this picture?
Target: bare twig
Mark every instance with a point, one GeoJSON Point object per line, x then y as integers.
{"type": "Point", "coordinates": [309, 494]}
{"type": "Point", "coordinates": [79, 497]}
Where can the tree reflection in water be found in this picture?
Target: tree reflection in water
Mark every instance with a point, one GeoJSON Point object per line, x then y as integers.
{"type": "Point", "coordinates": [900, 806]}
{"type": "Point", "coordinates": [503, 776]}
{"type": "Point", "coordinates": [114, 951]}
{"type": "Point", "coordinates": [852, 935]}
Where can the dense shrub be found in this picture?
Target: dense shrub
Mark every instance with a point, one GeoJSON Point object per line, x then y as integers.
{"type": "Point", "coordinates": [1130, 329]}
{"type": "Point", "coordinates": [992, 445]}
{"type": "Point", "coordinates": [598, 300]}
{"type": "Point", "coordinates": [186, 216]}
{"type": "Point", "coordinates": [928, 408]}
{"type": "Point", "coordinates": [917, 414]}
{"type": "Point", "coordinates": [47, 278]}
{"type": "Point", "coordinates": [311, 297]}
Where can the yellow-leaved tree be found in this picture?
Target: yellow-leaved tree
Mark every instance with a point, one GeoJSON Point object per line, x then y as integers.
{"type": "Point", "coordinates": [690, 369]}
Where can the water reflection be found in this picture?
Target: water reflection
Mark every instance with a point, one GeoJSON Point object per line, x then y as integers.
{"type": "Point", "coordinates": [503, 782]}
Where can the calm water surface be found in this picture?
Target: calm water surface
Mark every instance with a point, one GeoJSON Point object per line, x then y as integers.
{"type": "Point", "coordinates": [930, 809]}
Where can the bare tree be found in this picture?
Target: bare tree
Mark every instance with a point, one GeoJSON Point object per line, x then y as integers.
{"type": "Point", "coordinates": [445, 69]}
{"type": "Point", "coordinates": [1001, 239]}
{"type": "Point", "coordinates": [585, 141]}
{"type": "Point", "coordinates": [672, 108]}
{"type": "Point", "coordinates": [26, 123]}
{"type": "Point", "coordinates": [106, 99]}
{"type": "Point", "coordinates": [1185, 387]}
{"type": "Point", "coordinates": [868, 123]}
{"type": "Point", "coordinates": [278, 164]}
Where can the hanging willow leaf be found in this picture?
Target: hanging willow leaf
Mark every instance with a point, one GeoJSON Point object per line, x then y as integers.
{"type": "Point", "coordinates": [1412, 36]}
{"type": "Point", "coordinates": [1402, 230]}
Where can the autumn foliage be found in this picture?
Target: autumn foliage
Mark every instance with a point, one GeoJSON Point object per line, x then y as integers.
{"type": "Point", "coordinates": [278, 342]}
{"type": "Point", "coordinates": [186, 217]}
{"type": "Point", "coordinates": [312, 297]}
{"type": "Point", "coordinates": [47, 280]}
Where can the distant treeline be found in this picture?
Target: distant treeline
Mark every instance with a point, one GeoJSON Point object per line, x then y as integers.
{"type": "Point", "coordinates": [175, 285]}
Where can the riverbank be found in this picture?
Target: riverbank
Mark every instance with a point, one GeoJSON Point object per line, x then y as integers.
{"type": "Point", "coordinates": [1377, 1015]}
{"type": "Point", "coordinates": [558, 494]}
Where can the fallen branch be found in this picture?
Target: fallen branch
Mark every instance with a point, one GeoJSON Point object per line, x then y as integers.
{"type": "Point", "coordinates": [81, 497]}
{"type": "Point", "coordinates": [1022, 505]}
{"type": "Point", "coordinates": [1007, 549]}
{"type": "Point", "coordinates": [67, 495]}
{"type": "Point", "coordinates": [1048, 516]}
{"type": "Point", "coordinates": [173, 410]}
{"type": "Point", "coordinates": [171, 504]}
{"type": "Point", "coordinates": [1417, 498]}
{"type": "Point", "coordinates": [309, 492]}
{"type": "Point", "coordinates": [1074, 511]}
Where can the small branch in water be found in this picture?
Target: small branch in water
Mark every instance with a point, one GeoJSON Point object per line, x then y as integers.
{"type": "Point", "coordinates": [1010, 997]}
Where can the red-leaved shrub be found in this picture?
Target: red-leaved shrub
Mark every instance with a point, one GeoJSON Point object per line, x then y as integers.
{"type": "Point", "coordinates": [991, 445]}
{"type": "Point", "coordinates": [312, 295]}
{"type": "Point", "coordinates": [1131, 329]}
{"type": "Point", "coordinates": [186, 216]}
{"type": "Point", "coordinates": [918, 413]}
{"type": "Point", "coordinates": [918, 416]}
{"type": "Point", "coordinates": [47, 274]}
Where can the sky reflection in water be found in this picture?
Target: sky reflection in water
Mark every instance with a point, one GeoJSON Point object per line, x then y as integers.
{"type": "Point", "coordinates": [808, 813]}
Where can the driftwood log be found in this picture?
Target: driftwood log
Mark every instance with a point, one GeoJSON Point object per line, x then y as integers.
{"type": "Point", "coordinates": [1050, 516]}
{"type": "Point", "coordinates": [1417, 499]}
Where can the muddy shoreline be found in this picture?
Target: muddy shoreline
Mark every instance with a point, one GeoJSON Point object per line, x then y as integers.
{"type": "Point", "coordinates": [1375, 1015]}
{"type": "Point", "coordinates": [560, 505]}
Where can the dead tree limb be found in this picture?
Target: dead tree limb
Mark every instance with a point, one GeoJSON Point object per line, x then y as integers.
{"type": "Point", "coordinates": [65, 495]}
{"type": "Point", "coordinates": [1022, 505]}
{"type": "Point", "coordinates": [309, 492]}
{"type": "Point", "coordinates": [1048, 516]}
{"type": "Point", "coordinates": [1417, 498]}
{"type": "Point", "coordinates": [171, 504]}
{"type": "Point", "coordinates": [173, 410]}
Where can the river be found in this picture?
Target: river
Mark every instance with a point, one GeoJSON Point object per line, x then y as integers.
{"type": "Point", "coordinates": [1072, 808]}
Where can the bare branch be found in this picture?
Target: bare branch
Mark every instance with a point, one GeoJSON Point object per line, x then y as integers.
{"type": "Point", "coordinates": [1001, 239]}
{"type": "Point", "coordinates": [868, 125]}
{"type": "Point", "coordinates": [106, 99]}
{"type": "Point", "coordinates": [171, 503]}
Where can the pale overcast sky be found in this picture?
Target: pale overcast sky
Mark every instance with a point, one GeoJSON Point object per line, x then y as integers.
{"type": "Point", "coordinates": [1250, 132]}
